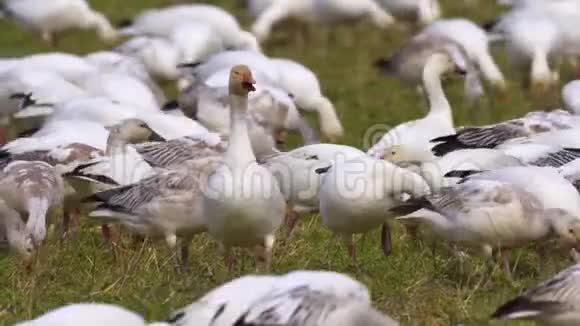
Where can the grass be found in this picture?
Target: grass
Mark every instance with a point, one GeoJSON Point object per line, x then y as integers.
{"type": "Point", "coordinates": [413, 285]}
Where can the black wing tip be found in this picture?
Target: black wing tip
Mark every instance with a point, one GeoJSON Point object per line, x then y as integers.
{"type": "Point", "coordinates": [4, 154]}
{"type": "Point", "coordinates": [461, 173]}
{"type": "Point", "coordinates": [323, 170]}
{"type": "Point", "coordinates": [28, 132]}
{"type": "Point", "coordinates": [126, 22]}
{"type": "Point", "coordinates": [383, 64]}
{"type": "Point", "coordinates": [411, 206]}
{"type": "Point", "coordinates": [447, 144]}
{"type": "Point", "coordinates": [570, 149]}
{"type": "Point", "coordinates": [188, 65]}
{"type": "Point", "coordinates": [78, 173]}
{"type": "Point", "coordinates": [175, 318]}
{"type": "Point", "coordinates": [521, 304]}
{"type": "Point", "coordinates": [170, 106]}
{"type": "Point", "coordinates": [490, 25]}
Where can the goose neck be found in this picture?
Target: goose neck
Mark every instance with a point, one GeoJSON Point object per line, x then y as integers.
{"type": "Point", "coordinates": [239, 148]}
{"type": "Point", "coordinates": [438, 102]}
{"type": "Point", "coordinates": [114, 143]}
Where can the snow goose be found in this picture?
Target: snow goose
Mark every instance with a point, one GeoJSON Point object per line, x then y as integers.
{"type": "Point", "coordinates": [173, 153]}
{"type": "Point", "coordinates": [423, 11]}
{"type": "Point", "coordinates": [258, 62]}
{"type": "Point", "coordinates": [61, 133]}
{"type": "Point", "coordinates": [545, 183]}
{"type": "Point", "coordinates": [89, 314]}
{"type": "Point", "coordinates": [232, 301]}
{"type": "Point", "coordinates": [167, 205]}
{"type": "Point", "coordinates": [107, 113]}
{"type": "Point", "coordinates": [552, 302]}
{"type": "Point", "coordinates": [68, 66]}
{"type": "Point", "coordinates": [157, 54]}
{"type": "Point", "coordinates": [489, 214]}
{"type": "Point", "coordinates": [412, 138]}
{"type": "Point", "coordinates": [304, 86]}
{"type": "Point", "coordinates": [161, 22]}
{"type": "Point", "coordinates": [24, 87]}
{"type": "Point", "coordinates": [243, 205]}
{"type": "Point", "coordinates": [33, 189]}
{"type": "Point", "coordinates": [475, 42]}
{"type": "Point", "coordinates": [319, 11]}
{"type": "Point", "coordinates": [571, 96]}
{"type": "Point", "coordinates": [18, 239]}
{"type": "Point", "coordinates": [121, 164]}
{"type": "Point", "coordinates": [481, 159]}
{"type": "Point", "coordinates": [288, 308]}
{"type": "Point", "coordinates": [408, 62]}
{"type": "Point", "coordinates": [533, 35]}
{"type": "Point", "coordinates": [121, 88]}
{"type": "Point", "coordinates": [494, 135]}
{"type": "Point", "coordinates": [269, 109]}
{"type": "Point", "coordinates": [58, 16]}
{"type": "Point", "coordinates": [107, 61]}
{"type": "Point", "coordinates": [356, 194]}
{"type": "Point", "coordinates": [296, 174]}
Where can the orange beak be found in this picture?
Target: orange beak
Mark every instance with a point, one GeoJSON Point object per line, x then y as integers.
{"type": "Point", "coordinates": [248, 83]}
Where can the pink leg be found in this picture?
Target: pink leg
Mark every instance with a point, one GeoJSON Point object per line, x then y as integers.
{"type": "Point", "coordinates": [349, 243]}
{"type": "Point", "coordinates": [291, 219]}
{"type": "Point", "coordinates": [3, 135]}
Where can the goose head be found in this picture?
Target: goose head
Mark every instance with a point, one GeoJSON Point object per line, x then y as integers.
{"type": "Point", "coordinates": [565, 225]}
{"type": "Point", "coordinates": [448, 62]}
{"type": "Point", "coordinates": [241, 81]}
{"type": "Point", "coordinates": [23, 244]}
{"type": "Point", "coordinates": [133, 131]}
{"type": "Point", "coordinates": [104, 28]}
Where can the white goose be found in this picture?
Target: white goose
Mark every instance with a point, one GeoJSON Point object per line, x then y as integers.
{"type": "Point", "coordinates": [121, 164]}
{"type": "Point", "coordinates": [558, 125]}
{"type": "Point", "coordinates": [289, 75]}
{"type": "Point", "coordinates": [269, 108]}
{"type": "Point", "coordinates": [356, 194]}
{"type": "Point", "coordinates": [489, 214]}
{"type": "Point", "coordinates": [89, 314]}
{"type": "Point", "coordinates": [535, 32]}
{"type": "Point", "coordinates": [167, 205]}
{"type": "Point", "coordinates": [239, 211]}
{"type": "Point", "coordinates": [475, 42]}
{"type": "Point", "coordinates": [15, 231]}
{"type": "Point", "coordinates": [161, 22]}
{"type": "Point", "coordinates": [237, 298]}
{"type": "Point", "coordinates": [48, 19]}
{"type": "Point", "coordinates": [571, 96]}
{"type": "Point", "coordinates": [305, 88]}
{"type": "Point", "coordinates": [423, 11]}
{"type": "Point", "coordinates": [107, 113]}
{"type": "Point", "coordinates": [107, 61]}
{"type": "Point", "coordinates": [319, 11]}
{"type": "Point", "coordinates": [552, 302]}
{"type": "Point", "coordinates": [413, 138]}
{"type": "Point", "coordinates": [33, 189]}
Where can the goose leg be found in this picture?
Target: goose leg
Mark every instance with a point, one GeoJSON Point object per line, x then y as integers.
{"type": "Point", "coordinates": [49, 38]}
{"type": "Point", "coordinates": [3, 135]}
{"type": "Point", "coordinates": [185, 255]}
{"type": "Point", "coordinates": [291, 218]}
{"type": "Point", "coordinates": [268, 250]}
{"type": "Point", "coordinates": [349, 243]}
{"type": "Point", "coordinates": [505, 260]}
{"type": "Point", "coordinates": [229, 259]}
{"type": "Point", "coordinates": [386, 243]}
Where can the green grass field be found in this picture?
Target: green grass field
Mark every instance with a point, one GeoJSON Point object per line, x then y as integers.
{"type": "Point", "coordinates": [413, 285]}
